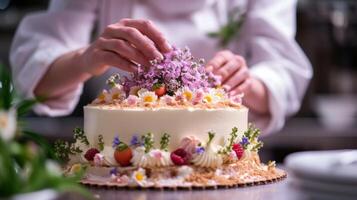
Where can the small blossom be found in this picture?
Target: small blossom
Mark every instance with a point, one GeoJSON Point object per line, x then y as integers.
{"type": "Point", "coordinates": [167, 100]}
{"type": "Point", "coordinates": [210, 98]}
{"type": "Point", "coordinates": [116, 142]}
{"type": "Point", "coordinates": [132, 100]}
{"type": "Point", "coordinates": [200, 150]}
{"type": "Point", "coordinates": [148, 97]}
{"type": "Point", "coordinates": [8, 124]}
{"type": "Point", "coordinates": [104, 97]}
{"type": "Point", "coordinates": [98, 159]}
{"type": "Point", "coordinates": [117, 93]}
{"type": "Point", "coordinates": [198, 96]}
{"type": "Point", "coordinates": [156, 154]}
{"type": "Point", "coordinates": [139, 176]}
{"type": "Point", "coordinates": [113, 171]}
{"type": "Point", "coordinates": [135, 141]}
{"type": "Point", "coordinates": [245, 141]}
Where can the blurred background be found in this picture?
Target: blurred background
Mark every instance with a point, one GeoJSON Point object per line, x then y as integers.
{"type": "Point", "coordinates": [327, 32]}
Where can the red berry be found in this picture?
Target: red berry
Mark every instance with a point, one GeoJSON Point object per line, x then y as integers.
{"type": "Point", "coordinates": [160, 91]}
{"type": "Point", "coordinates": [238, 149]}
{"type": "Point", "coordinates": [180, 157]}
{"type": "Point", "coordinates": [123, 156]}
{"type": "Point", "coordinates": [89, 155]}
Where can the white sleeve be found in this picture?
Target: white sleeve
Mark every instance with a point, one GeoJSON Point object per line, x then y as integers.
{"type": "Point", "coordinates": [40, 39]}
{"type": "Point", "coordinates": [276, 59]}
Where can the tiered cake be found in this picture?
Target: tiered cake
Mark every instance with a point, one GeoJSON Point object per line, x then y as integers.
{"type": "Point", "coordinates": [170, 125]}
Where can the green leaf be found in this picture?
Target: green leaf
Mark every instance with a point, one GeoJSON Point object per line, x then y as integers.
{"type": "Point", "coordinates": [6, 94]}
{"type": "Point", "coordinates": [25, 106]}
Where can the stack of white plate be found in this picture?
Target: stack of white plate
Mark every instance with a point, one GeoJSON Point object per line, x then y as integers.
{"type": "Point", "coordinates": [324, 174]}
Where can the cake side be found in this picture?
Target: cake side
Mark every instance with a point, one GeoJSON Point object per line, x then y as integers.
{"type": "Point", "coordinates": [110, 121]}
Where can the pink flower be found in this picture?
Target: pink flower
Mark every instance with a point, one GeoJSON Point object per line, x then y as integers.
{"type": "Point", "coordinates": [237, 99]}
{"type": "Point", "coordinates": [156, 154]}
{"type": "Point", "coordinates": [167, 100]}
{"type": "Point", "coordinates": [98, 160]}
{"type": "Point", "coordinates": [132, 100]}
{"type": "Point", "coordinates": [198, 96]}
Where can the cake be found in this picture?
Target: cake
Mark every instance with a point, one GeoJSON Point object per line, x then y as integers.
{"type": "Point", "coordinates": [167, 126]}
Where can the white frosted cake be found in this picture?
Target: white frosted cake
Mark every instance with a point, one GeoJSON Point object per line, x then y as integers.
{"type": "Point", "coordinates": [169, 125]}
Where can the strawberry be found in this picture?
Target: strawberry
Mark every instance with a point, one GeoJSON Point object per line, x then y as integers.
{"type": "Point", "coordinates": [159, 89]}
{"type": "Point", "coordinates": [238, 149]}
{"type": "Point", "coordinates": [180, 157]}
{"type": "Point", "coordinates": [123, 154]}
{"type": "Point", "coordinates": [89, 155]}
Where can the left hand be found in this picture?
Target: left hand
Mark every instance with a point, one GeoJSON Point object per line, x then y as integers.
{"type": "Point", "coordinates": [233, 71]}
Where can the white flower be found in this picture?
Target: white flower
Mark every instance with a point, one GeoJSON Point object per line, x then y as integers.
{"type": "Point", "coordinates": [139, 176]}
{"type": "Point", "coordinates": [104, 97]}
{"type": "Point", "coordinates": [117, 93]}
{"type": "Point", "coordinates": [219, 93]}
{"type": "Point", "coordinates": [185, 94]}
{"type": "Point", "coordinates": [210, 98]}
{"type": "Point", "coordinates": [147, 97]}
{"type": "Point", "coordinates": [8, 124]}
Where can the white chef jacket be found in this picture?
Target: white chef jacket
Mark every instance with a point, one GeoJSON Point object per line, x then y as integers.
{"type": "Point", "coordinates": [266, 40]}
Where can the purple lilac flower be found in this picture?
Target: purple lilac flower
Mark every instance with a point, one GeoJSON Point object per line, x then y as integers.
{"type": "Point", "coordinates": [116, 141]}
{"type": "Point", "coordinates": [244, 141]}
{"type": "Point", "coordinates": [135, 140]}
{"type": "Point", "coordinates": [178, 69]}
{"type": "Point", "coordinates": [200, 150]}
{"type": "Point", "coordinates": [113, 171]}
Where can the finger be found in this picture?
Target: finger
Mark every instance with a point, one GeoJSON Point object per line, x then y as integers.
{"type": "Point", "coordinates": [113, 59]}
{"type": "Point", "coordinates": [228, 70]}
{"type": "Point", "coordinates": [124, 49]}
{"type": "Point", "coordinates": [215, 63]}
{"type": "Point", "coordinates": [239, 77]}
{"type": "Point", "coordinates": [150, 30]}
{"type": "Point", "coordinates": [135, 37]}
{"type": "Point", "coordinates": [242, 88]}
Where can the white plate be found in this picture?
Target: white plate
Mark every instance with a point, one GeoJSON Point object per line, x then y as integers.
{"type": "Point", "coordinates": [335, 167]}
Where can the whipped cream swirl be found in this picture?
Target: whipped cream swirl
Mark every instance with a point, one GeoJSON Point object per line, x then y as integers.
{"type": "Point", "coordinates": [154, 158]}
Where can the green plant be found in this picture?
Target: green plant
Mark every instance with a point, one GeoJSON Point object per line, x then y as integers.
{"type": "Point", "coordinates": [26, 158]}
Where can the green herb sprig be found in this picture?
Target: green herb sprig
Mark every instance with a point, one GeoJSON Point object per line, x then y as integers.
{"type": "Point", "coordinates": [148, 140]}
{"type": "Point", "coordinates": [164, 142]}
{"type": "Point", "coordinates": [112, 80]}
{"type": "Point", "coordinates": [252, 134]}
{"type": "Point", "coordinates": [210, 138]}
{"type": "Point", "coordinates": [232, 29]}
{"type": "Point", "coordinates": [80, 136]}
{"type": "Point", "coordinates": [232, 138]}
{"type": "Point", "coordinates": [100, 143]}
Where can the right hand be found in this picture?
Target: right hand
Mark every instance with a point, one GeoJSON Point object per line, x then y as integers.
{"type": "Point", "coordinates": [124, 45]}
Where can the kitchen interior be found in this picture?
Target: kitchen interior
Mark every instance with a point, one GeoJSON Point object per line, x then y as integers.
{"type": "Point", "coordinates": [326, 31]}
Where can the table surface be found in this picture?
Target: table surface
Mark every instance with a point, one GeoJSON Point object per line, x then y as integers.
{"type": "Point", "coordinates": [283, 189]}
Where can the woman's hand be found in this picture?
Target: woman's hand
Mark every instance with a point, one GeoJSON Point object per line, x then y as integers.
{"type": "Point", "coordinates": [124, 45]}
{"type": "Point", "coordinates": [236, 79]}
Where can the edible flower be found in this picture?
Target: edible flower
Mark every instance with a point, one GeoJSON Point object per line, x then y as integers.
{"type": "Point", "coordinates": [139, 176]}
{"type": "Point", "coordinates": [148, 97]}
{"type": "Point", "coordinates": [116, 142]}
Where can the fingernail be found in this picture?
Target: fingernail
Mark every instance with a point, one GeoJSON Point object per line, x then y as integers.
{"type": "Point", "coordinates": [168, 46]}
{"type": "Point", "coordinates": [227, 87]}
{"type": "Point", "coordinates": [209, 68]}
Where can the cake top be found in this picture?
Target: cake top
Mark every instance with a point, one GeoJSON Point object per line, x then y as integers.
{"type": "Point", "coordinates": [178, 80]}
